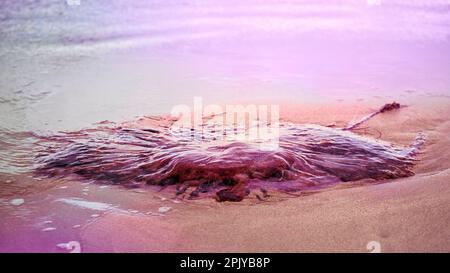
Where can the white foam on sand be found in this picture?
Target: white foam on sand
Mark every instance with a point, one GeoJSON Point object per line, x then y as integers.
{"type": "Point", "coordinates": [164, 209]}
{"type": "Point", "coordinates": [86, 204]}
{"type": "Point", "coordinates": [48, 229]}
{"type": "Point", "coordinates": [17, 202]}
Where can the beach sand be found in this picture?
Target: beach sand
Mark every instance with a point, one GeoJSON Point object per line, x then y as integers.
{"type": "Point", "coordinates": [404, 215]}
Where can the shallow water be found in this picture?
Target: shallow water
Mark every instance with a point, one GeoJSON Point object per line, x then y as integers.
{"type": "Point", "coordinates": [65, 67]}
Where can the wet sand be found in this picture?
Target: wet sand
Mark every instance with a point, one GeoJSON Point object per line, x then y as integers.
{"type": "Point", "coordinates": [403, 215]}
